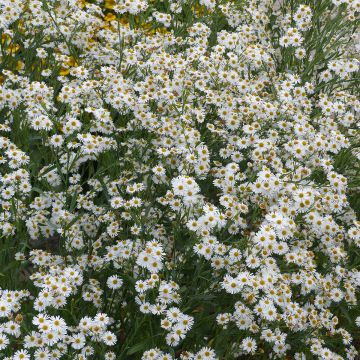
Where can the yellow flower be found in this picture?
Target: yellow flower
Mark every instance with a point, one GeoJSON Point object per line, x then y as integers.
{"type": "Point", "coordinates": [162, 30]}
{"type": "Point", "coordinates": [64, 72]}
{"type": "Point", "coordinates": [19, 65]}
{"type": "Point", "coordinates": [13, 48]}
{"type": "Point", "coordinates": [82, 3]}
{"type": "Point", "coordinates": [199, 9]}
{"type": "Point", "coordinates": [109, 4]}
{"type": "Point", "coordinates": [4, 37]}
{"type": "Point", "coordinates": [109, 17]}
{"type": "Point", "coordinates": [71, 62]}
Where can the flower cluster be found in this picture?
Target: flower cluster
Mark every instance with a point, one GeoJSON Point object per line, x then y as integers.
{"type": "Point", "coordinates": [179, 179]}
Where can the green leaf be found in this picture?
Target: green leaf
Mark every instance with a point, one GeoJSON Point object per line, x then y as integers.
{"type": "Point", "coordinates": [138, 347]}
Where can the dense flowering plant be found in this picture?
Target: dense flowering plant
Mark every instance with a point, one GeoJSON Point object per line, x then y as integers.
{"type": "Point", "coordinates": [179, 179]}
